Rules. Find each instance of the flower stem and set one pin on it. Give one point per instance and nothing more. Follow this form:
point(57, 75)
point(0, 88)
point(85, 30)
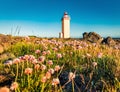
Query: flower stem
point(28, 81)
point(42, 90)
point(73, 85)
point(16, 73)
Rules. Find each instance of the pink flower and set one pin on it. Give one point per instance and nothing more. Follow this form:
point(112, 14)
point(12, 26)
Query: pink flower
point(50, 62)
point(34, 61)
point(44, 53)
point(22, 58)
point(31, 58)
point(94, 44)
point(51, 71)
point(4, 89)
point(16, 61)
point(26, 57)
point(78, 47)
point(48, 75)
point(94, 64)
point(37, 51)
point(99, 55)
point(14, 86)
point(85, 44)
point(28, 71)
point(27, 38)
point(71, 76)
point(43, 67)
point(55, 49)
point(37, 66)
point(44, 79)
point(41, 59)
point(8, 62)
point(59, 55)
point(57, 68)
point(55, 81)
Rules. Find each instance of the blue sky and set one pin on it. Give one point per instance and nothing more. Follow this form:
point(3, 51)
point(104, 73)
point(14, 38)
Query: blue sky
point(43, 17)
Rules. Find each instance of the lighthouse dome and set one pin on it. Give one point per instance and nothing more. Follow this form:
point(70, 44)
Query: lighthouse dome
point(66, 15)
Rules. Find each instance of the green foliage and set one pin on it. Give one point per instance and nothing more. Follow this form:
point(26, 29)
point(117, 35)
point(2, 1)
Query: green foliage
point(97, 70)
point(22, 48)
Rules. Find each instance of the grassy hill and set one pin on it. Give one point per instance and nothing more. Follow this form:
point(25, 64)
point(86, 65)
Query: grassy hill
point(32, 64)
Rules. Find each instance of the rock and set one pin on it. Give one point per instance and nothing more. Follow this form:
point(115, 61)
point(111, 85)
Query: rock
point(6, 79)
point(85, 34)
point(92, 37)
point(109, 41)
point(4, 38)
point(64, 81)
point(80, 83)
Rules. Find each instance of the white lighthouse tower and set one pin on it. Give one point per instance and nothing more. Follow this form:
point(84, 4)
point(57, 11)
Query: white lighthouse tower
point(65, 26)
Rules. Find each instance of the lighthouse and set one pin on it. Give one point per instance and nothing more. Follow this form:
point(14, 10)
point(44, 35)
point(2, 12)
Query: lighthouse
point(65, 26)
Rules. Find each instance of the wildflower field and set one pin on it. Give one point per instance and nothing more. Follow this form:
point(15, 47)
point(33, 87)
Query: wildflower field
point(59, 65)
